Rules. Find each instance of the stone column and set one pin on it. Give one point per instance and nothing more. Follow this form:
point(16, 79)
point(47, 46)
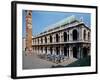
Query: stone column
point(43, 40)
point(48, 39)
point(81, 34)
point(86, 35)
point(53, 52)
point(48, 50)
point(60, 37)
point(63, 50)
point(60, 50)
point(70, 35)
point(70, 52)
point(53, 38)
point(35, 41)
point(79, 52)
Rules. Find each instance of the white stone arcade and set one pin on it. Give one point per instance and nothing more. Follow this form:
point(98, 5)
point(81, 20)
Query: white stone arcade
point(69, 39)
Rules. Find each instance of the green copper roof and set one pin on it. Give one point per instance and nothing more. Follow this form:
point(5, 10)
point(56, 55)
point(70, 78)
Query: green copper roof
point(62, 22)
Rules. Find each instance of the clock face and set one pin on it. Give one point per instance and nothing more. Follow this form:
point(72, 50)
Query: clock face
point(29, 26)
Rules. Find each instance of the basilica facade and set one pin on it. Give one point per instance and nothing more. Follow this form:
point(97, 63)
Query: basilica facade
point(70, 38)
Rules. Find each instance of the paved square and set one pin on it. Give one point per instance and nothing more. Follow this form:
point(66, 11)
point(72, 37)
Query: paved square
point(34, 62)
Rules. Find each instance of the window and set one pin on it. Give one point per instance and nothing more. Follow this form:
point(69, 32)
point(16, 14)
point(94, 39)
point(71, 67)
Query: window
point(57, 38)
point(88, 35)
point(50, 39)
point(45, 39)
point(75, 35)
point(65, 36)
point(84, 34)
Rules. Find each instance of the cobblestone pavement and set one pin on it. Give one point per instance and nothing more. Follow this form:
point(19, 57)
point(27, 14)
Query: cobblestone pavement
point(34, 62)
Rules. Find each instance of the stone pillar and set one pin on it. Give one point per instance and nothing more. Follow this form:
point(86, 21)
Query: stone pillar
point(43, 40)
point(48, 50)
point(35, 41)
point(60, 50)
point(60, 37)
point(48, 39)
point(70, 52)
point(67, 37)
point(82, 34)
point(53, 51)
point(63, 50)
point(86, 35)
point(79, 52)
point(70, 35)
point(53, 38)
point(39, 40)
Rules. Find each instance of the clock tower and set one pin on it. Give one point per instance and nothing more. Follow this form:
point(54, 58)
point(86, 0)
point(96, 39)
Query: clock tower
point(28, 30)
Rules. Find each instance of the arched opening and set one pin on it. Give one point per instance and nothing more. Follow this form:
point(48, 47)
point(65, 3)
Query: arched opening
point(50, 50)
point(84, 34)
point(68, 37)
point(65, 36)
point(57, 38)
point(75, 52)
point(45, 49)
point(50, 39)
point(88, 35)
point(45, 39)
point(85, 52)
point(75, 35)
point(65, 51)
point(57, 50)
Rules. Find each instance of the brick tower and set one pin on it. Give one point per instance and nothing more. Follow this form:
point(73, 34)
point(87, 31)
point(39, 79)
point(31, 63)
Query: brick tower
point(28, 30)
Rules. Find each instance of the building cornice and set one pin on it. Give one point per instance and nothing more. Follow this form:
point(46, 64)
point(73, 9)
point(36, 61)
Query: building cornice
point(62, 28)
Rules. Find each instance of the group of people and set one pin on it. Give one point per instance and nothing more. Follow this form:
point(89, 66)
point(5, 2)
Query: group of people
point(53, 57)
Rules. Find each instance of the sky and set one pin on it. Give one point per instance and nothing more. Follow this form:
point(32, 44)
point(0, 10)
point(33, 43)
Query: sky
point(42, 19)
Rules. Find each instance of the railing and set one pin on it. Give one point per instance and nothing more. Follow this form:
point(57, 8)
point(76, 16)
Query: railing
point(62, 42)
